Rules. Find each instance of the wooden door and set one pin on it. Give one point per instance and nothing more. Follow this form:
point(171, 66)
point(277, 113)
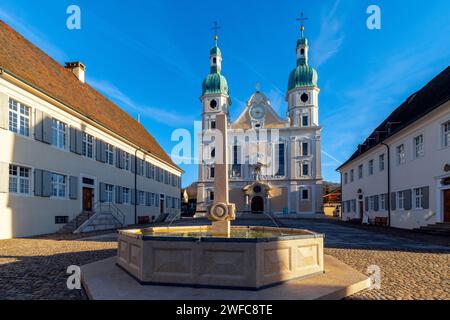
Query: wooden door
point(88, 196)
point(447, 206)
point(361, 209)
point(257, 205)
point(161, 206)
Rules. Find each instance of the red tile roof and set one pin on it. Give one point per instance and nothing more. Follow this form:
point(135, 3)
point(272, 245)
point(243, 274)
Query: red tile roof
point(27, 62)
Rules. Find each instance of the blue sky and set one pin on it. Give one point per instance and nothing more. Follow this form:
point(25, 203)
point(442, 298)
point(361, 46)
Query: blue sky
point(150, 57)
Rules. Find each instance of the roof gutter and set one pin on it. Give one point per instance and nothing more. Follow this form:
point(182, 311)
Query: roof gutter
point(97, 124)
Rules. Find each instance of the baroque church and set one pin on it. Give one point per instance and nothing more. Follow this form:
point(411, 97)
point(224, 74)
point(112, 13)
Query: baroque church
point(274, 161)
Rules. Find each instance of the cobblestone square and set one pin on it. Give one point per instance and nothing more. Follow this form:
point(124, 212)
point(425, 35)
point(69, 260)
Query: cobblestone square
point(412, 267)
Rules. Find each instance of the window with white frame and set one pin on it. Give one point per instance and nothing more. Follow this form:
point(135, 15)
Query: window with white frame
point(88, 145)
point(352, 175)
point(446, 134)
point(371, 203)
point(360, 171)
point(59, 134)
point(59, 185)
point(418, 147)
point(346, 178)
point(126, 196)
point(140, 164)
point(141, 198)
point(19, 118)
point(401, 155)
point(126, 160)
point(109, 149)
point(280, 161)
point(305, 148)
point(353, 205)
point(19, 179)
point(381, 162)
point(418, 198)
point(305, 120)
point(109, 193)
point(211, 172)
point(370, 167)
point(382, 202)
point(305, 169)
point(401, 200)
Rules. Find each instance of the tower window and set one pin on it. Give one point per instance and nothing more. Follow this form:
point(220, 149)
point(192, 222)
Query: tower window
point(213, 124)
point(214, 60)
point(213, 104)
point(213, 153)
point(302, 51)
point(304, 97)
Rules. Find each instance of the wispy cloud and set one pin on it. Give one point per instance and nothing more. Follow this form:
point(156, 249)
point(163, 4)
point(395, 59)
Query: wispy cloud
point(330, 37)
point(33, 36)
point(159, 115)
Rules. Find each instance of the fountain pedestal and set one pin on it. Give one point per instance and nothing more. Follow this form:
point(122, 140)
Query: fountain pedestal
point(221, 212)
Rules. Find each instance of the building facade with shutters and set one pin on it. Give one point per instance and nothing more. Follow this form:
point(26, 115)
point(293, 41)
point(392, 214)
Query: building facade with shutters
point(402, 171)
point(66, 149)
point(274, 161)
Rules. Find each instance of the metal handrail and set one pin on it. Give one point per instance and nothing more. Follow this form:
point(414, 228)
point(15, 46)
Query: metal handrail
point(114, 210)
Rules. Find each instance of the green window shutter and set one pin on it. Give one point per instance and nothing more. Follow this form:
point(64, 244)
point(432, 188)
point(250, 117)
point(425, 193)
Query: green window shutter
point(133, 196)
point(38, 124)
point(377, 202)
point(102, 192)
point(4, 111)
point(408, 199)
point(46, 183)
point(4, 177)
point(46, 129)
point(73, 187)
point(133, 164)
point(79, 142)
point(98, 150)
point(426, 197)
point(119, 158)
point(147, 169)
point(38, 183)
point(119, 195)
point(73, 139)
point(393, 200)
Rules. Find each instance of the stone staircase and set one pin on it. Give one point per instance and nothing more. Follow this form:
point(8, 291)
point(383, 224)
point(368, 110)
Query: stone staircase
point(104, 217)
point(441, 229)
point(100, 221)
point(76, 222)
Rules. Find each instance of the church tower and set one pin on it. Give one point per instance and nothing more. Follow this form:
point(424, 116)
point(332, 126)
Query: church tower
point(215, 99)
point(303, 94)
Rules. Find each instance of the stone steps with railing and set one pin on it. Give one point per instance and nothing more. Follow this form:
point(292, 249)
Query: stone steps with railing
point(105, 216)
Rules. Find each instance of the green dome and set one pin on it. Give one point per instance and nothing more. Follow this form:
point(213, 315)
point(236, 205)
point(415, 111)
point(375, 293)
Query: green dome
point(303, 76)
point(215, 51)
point(302, 41)
point(215, 83)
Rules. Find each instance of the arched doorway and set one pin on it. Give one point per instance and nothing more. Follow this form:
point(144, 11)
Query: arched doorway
point(257, 204)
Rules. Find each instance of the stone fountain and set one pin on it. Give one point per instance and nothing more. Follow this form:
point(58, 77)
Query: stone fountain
point(220, 255)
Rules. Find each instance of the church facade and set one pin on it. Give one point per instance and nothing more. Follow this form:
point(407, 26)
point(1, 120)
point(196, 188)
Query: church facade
point(274, 161)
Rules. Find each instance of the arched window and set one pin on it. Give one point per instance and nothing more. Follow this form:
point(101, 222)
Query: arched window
point(213, 153)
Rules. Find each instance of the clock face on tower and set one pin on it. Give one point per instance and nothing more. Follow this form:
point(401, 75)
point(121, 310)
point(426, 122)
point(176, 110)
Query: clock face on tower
point(257, 112)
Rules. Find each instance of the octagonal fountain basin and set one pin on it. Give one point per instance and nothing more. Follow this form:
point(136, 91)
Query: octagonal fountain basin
point(249, 258)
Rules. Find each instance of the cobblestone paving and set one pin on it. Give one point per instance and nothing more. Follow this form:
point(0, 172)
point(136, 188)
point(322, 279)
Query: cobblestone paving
point(36, 268)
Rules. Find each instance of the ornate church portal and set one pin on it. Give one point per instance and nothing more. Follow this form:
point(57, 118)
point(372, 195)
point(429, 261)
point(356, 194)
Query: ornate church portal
point(274, 161)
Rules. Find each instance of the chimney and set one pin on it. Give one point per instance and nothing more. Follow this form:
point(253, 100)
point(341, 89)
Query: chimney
point(77, 68)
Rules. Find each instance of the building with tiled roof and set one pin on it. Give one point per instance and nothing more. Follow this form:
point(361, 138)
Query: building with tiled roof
point(401, 173)
point(69, 154)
